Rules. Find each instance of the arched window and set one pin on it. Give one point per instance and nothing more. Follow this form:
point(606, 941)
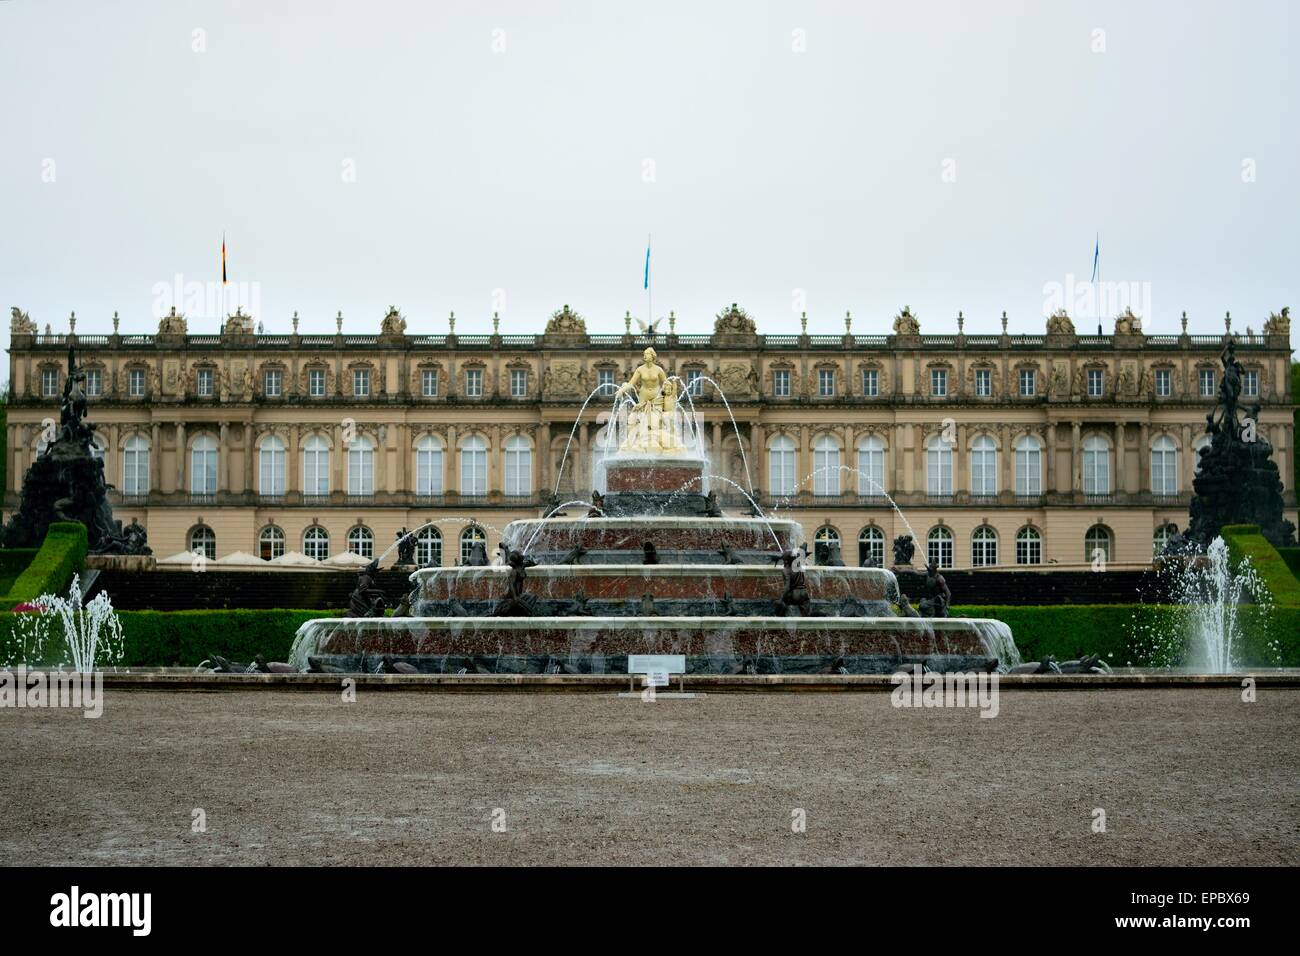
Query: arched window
point(1029, 466)
point(1029, 546)
point(871, 547)
point(1096, 466)
point(428, 548)
point(361, 467)
point(473, 466)
point(271, 467)
point(519, 466)
point(135, 466)
point(1161, 538)
point(428, 466)
point(780, 470)
point(825, 537)
point(939, 547)
point(316, 466)
point(938, 466)
point(361, 541)
point(468, 538)
point(316, 543)
point(203, 466)
point(984, 547)
point(871, 466)
point(1097, 543)
point(1164, 466)
point(1197, 447)
point(270, 543)
point(983, 466)
point(203, 540)
point(826, 466)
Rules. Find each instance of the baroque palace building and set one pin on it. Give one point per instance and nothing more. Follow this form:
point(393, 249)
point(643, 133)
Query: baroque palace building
point(1000, 450)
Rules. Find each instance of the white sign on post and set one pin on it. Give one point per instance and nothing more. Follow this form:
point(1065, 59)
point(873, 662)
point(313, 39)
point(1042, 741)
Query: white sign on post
point(656, 664)
point(656, 679)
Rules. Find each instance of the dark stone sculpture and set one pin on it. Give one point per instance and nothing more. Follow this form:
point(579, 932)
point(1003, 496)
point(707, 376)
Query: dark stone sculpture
point(904, 548)
point(937, 594)
point(367, 600)
point(651, 556)
point(833, 557)
point(579, 606)
point(574, 556)
point(729, 555)
point(647, 608)
point(597, 505)
point(405, 547)
point(66, 483)
point(1238, 481)
point(796, 599)
point(477, 556)
point(516, 603)
point(711, 507)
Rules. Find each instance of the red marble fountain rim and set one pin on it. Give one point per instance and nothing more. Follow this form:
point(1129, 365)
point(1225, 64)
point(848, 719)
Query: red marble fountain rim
point(651, 571)
point(904, 624)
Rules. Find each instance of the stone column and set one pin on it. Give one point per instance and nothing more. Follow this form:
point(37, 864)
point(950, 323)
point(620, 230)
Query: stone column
point(451, 474)
point(543, 443)
point(14, 483)
point(757, 456)
point(1076, 462)
point(805, 459)
point(292, 458)
point(582, 467)
point(402, 461)
point(381, 459)
point(1049, 442)
point(1187, 461)
point(248, 457)
point(337, 461)
point(223, 462)
point(1144, 457)
point(180, 457)
point(155, 457)
point(1006, 477)
point(961, 460)
point(1121, 484)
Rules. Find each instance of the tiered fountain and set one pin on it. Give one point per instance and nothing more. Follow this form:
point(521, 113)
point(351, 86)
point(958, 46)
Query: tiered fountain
point(654, 567)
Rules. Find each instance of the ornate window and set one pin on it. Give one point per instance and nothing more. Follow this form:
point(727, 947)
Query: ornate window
point(361, 541)
point(270, 543)
point(361, 467)
point(983, 382)
point(1096, 382)
point(361, 383)
point(429, 382)
point(428, 466)
point(939, 382)
point(826, 466)
point(135, 383)
point(49, 381)
point(94, 382)
point(983, 466)
point(938, 467)
point(984, 547)
point(871, 547)
point(316, 382)
point(1029, 546)
point(1164, 466)
point(518, 382)
point(205, 382)
point(939, 547)
point(473, 466)
point(316, 543)
point(871, 466)
point(870, 382)
point(781, 387)
point(203, 540)
point(203, 466)
point(270, 457)
point(473, 383)
point(273, 383)
point(316, 466)
point(1205, 377)
point(1028, 382)
point(1164, 382)
point(1029, 467)
point(781, 459)
point(826, 383)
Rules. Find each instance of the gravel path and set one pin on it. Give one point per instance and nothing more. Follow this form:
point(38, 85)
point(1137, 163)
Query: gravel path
point(1185, 777)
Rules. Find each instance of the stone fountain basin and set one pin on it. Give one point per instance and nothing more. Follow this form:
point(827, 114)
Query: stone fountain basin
point(677, 538)
point(710, 644)
point(680, 589)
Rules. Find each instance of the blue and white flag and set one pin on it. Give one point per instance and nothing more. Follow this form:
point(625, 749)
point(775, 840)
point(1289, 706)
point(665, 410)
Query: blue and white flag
point(1096, 257)
point(646, 284)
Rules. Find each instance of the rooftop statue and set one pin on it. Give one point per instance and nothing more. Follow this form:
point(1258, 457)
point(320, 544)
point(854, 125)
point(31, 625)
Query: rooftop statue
point(652, 421)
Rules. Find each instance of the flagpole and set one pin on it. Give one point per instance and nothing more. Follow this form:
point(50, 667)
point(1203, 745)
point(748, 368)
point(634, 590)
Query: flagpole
point(649, 289)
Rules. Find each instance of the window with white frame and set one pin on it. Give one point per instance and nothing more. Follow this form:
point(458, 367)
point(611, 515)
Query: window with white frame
point(428, 466)
point(518, 382)
point(781, 382)
point(871, 465)
point(1097, 544)
point(1164, 382)
point(316, 466)
point(473, 383)
point(519, 466)
point(1096, 466)
point(361, 542)
point(135, 466)
point(1206, 378)
point(983, 382)
point(605, 381)
point(273, 382)
point(826, 466)
point(361, 382)
point(939, 382)
point(1028, 382)
point(938, 550)
point(203, 466)
point(205, 382)
point(316, 543)
point(871, 547)
point(135, 383)
point(1164, 466)
point(428, 548)
point(1161, 538)
point(983, 466)
point(1029, 546)
point(361, 467)
point(316, 382)
point(1029, 466)
point(984, 547)
point(938, 467)
point(270, 458)
point(429, 382)
point(823, 540)
point(826, 382)
point(203, 540)
point(49, 382)
point(94, 383)
point(270, 543)
point(1096, 382)
point(695, 382)
point(473, 466)
point(1250, 382)
point(468, 538)
point(781, 464)
point(870, 382)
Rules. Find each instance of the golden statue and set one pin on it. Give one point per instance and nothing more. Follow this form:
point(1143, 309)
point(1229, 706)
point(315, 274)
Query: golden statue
point(652, 420)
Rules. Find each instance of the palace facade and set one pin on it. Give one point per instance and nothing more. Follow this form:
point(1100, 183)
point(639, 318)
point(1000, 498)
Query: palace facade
point(998, 450)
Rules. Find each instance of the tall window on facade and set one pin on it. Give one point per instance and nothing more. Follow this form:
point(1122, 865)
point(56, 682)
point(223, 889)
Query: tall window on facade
point(1207, 382)
point(135, 466)
point(826, 466)
point(983, 382)
point(1029, 467)
point(203, 540)
point(361, 541)
point(938, 548)
point(1028, 382)
point(1029, 546)
point(1250, 383)
point(316, 543)
point(781, 382)
point(429, 382)
point(984, 547)
point(983, 466)
point(428, 466)
point(939, 382)
point(468, 538)
point(1097, 544)
point(695, 382)
point(473, 466)
point(1164, 466)
point(361, 382)
point(871, 466)
point(1096, 466)
point(49, 382)
point(518, 382)
point(1161, 538)
point(870, 383)
point(270, 543)
point(94, 383)
point(1164, 382)
point(1096, 382)
point(780, 465)
point(605, 381)
point(203, 466)
point(822, 541)
point(270, 457)
point(316, 466)
point(519, 466)
point(473, 383)
point(273, 382)
point(204, 383)
point(871, 547)
point(428, 548)
point(938, 466)
point(361, 467)
point(135, 383)
point(826, 382)
point(316, 383)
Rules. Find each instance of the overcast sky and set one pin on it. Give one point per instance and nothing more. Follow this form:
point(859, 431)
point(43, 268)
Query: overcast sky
point(946, 155)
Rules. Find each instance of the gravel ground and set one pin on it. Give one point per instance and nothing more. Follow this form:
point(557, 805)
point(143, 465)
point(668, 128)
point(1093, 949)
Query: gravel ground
point(1185, 777)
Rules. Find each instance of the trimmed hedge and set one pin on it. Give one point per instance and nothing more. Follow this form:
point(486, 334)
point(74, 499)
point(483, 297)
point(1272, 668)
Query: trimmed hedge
point(1245, 541)
point(4, 447)
point(62, 554)
point(1291, 556)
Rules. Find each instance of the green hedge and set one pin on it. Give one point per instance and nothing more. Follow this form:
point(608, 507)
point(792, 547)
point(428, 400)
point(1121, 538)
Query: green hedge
point(13, 562)
point(62, 554)
point(1245, 541)
point(1291, 556)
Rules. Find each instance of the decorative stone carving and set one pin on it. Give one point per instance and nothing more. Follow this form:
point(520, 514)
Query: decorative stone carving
point(1060, 384)
point(393, 326)
point(173, 323)
point(20, 323)
point(1059, 323)
point(1128, 323)
point(738, 380)
point(566, 322)
point(734, 321)
point(563, 379)
point(1278, 323)
point(238, 323)
point(905, 323)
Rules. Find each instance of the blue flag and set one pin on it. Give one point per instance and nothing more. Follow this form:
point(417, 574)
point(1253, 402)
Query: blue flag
point(646, 284)
point(1096, 255)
